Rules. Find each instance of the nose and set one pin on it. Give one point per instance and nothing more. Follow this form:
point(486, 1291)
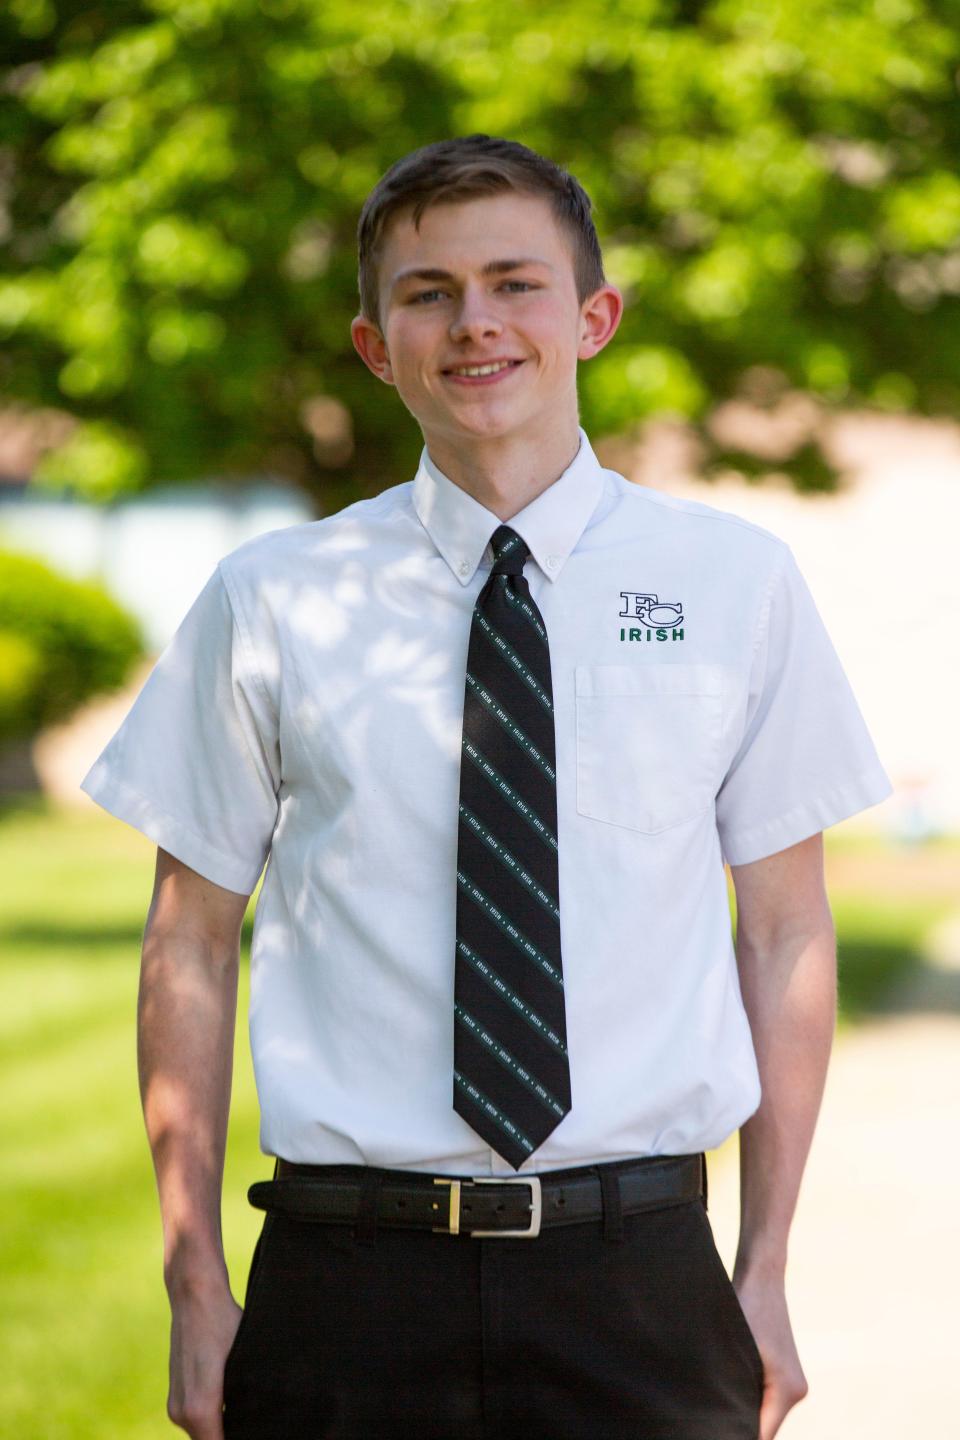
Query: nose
point(475, 317)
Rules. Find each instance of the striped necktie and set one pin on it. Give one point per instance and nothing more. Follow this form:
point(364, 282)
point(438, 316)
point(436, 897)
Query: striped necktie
point(511, 1075)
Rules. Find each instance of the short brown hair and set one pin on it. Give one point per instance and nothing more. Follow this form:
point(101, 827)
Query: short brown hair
point(463, 169)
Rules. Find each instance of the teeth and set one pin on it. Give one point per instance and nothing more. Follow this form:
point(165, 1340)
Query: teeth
point(482, 369)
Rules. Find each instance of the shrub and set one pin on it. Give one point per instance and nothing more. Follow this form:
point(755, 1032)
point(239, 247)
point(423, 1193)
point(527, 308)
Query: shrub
point(61, 641)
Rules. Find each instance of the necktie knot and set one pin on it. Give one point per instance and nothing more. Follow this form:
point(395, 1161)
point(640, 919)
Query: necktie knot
point(509, 551)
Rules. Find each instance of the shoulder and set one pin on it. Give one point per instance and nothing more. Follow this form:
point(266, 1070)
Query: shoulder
point(283, 554)
point(679, 514)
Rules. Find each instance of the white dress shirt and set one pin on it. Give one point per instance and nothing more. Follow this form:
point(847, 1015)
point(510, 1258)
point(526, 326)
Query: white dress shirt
point(307, 715)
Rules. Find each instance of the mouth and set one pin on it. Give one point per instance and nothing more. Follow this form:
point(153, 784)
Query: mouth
point(488, 374)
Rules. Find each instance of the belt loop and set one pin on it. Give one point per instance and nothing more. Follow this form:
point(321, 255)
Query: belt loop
point(612, 1210)
point(703, 1167)
point(365, 1229)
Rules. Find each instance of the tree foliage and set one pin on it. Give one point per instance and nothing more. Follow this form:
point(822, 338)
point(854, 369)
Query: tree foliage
point(61, 641)
point(774, 184)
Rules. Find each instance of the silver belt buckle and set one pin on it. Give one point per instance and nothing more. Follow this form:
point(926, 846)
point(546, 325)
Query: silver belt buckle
point(536, 1206)
point(452, 1226)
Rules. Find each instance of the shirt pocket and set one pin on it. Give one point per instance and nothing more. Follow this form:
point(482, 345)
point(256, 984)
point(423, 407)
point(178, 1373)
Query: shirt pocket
point(648, 743)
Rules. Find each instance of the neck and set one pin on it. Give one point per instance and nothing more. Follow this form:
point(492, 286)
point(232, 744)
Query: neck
point(506, 473)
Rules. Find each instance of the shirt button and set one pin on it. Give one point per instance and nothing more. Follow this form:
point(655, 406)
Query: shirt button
point(463, 567)
point(553, 561)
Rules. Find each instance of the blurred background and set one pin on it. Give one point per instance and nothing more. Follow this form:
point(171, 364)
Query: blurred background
point(775, 189)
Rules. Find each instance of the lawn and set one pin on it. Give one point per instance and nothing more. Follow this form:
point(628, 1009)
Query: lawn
point(85, 1324)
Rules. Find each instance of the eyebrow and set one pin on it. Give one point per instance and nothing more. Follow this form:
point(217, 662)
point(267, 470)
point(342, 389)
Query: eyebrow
point(492, 267)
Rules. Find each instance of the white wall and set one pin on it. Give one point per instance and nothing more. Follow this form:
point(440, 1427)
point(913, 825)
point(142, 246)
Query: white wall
point(153, 552)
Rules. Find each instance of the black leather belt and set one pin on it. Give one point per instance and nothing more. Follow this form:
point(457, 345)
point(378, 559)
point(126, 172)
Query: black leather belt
point(477, 1205)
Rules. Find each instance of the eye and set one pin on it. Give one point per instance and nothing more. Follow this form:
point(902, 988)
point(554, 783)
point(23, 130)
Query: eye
point(423, 295)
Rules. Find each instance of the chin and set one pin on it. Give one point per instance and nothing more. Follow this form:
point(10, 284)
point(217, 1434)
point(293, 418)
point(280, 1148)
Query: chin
point(489, 423)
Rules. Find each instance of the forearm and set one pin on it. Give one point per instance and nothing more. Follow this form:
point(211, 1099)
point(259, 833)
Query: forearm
point(789, 991)
point(185, 1032)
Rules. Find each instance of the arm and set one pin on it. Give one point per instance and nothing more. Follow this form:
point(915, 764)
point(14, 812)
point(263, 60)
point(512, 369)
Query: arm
point(186, 1017)
point(786, 958)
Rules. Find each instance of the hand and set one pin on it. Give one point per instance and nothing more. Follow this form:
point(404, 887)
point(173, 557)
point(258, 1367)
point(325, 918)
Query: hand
point(764, 1303)
point(204, 1325)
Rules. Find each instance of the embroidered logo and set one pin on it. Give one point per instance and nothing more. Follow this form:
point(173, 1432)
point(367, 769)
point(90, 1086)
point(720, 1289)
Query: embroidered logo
point(658, 619)
point(650, 610)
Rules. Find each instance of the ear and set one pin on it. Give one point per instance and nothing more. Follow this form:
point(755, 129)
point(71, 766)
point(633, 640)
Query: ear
point(599, 317)
point(372, 348)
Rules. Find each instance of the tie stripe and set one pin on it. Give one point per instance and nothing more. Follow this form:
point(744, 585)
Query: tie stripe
point(508, 928)
point(511, 1069)
point(510, 997)
point(510, 861)
point(511, 656)
point(524, 608)
point(487, 1105)
point(505, 789)
point(501, 1053)
point(511, 726)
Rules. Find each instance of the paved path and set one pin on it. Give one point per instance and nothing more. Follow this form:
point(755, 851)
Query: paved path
point(873, 1280)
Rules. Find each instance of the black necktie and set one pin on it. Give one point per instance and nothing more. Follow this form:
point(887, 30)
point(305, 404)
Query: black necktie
point(511, 1075)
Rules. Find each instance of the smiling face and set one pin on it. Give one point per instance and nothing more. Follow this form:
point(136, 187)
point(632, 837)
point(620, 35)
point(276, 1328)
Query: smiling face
point(484, 281)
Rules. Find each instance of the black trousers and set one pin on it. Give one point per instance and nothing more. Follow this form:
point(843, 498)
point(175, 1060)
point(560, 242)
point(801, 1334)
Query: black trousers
point(624, 1327)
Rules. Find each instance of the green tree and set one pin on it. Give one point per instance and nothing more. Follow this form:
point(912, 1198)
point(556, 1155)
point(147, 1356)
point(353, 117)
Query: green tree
point(774, 184)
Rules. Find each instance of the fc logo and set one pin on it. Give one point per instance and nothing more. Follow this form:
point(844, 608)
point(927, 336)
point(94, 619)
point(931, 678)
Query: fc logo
point(650, 610)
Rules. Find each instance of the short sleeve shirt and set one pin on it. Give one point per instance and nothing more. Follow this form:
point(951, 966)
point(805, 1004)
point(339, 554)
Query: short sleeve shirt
point(306, 717)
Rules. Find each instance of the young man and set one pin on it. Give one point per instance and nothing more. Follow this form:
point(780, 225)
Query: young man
point(496, 732)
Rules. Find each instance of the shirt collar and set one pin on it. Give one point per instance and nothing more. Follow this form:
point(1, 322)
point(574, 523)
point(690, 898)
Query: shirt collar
point(551, 524)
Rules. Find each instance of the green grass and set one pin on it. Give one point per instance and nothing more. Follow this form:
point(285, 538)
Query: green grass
point(84, 1327)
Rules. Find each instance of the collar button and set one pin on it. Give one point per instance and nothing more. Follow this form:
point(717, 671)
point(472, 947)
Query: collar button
point(553, 561)
point(464, 567)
